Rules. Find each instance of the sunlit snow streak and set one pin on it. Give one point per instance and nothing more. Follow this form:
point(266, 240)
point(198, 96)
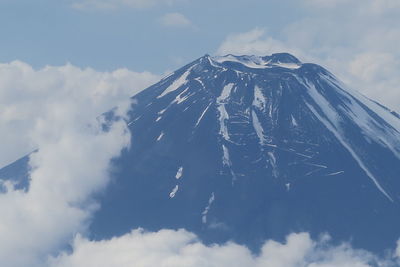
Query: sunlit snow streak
point(160, 136)
point(387, 135)
point(207, 209)
point(255, 62)
point(179, 173)
point(180, 98)
point(250, 62)
point(176, 84)
point(259, 99)
point(226, 92)
point(162, 111)
point(331, 128)
point(294, 122)
point(202, 115)
point(174, 191)
point(287, 186)
point(200, 81)
point(273, 164)
point(258, 128)
point(334, 173)
point(292, 66)
point(333, 125)
point(225, 159)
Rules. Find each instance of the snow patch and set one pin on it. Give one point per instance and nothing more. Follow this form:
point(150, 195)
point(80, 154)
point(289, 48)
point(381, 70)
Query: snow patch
point(272, 161)
point(179, 99)
point(160, 136)
point(255, 62)
point(202, 115)
point(207, 209)
point(223, 117)
point(162, 111)
point(338, 136)
point(288, 185)
point(332, 122)
point(335, 173)
point(223, 114)
point(292, 66)
point(272, 145)
point(258, 128)
point(294, 122)
point(225, 159)
point(179, 173)
point(200, 81)
point(226, 92)
point(174, 191)
point(387, 135)
point(250, 61)
point(182, 80)
point(259, 99)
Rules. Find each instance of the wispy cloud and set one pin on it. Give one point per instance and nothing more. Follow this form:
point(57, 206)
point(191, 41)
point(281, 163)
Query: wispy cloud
point(253, 42)
point(175, 20)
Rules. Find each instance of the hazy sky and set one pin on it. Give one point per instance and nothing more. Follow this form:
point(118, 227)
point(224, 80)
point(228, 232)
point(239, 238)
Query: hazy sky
point(153, 35)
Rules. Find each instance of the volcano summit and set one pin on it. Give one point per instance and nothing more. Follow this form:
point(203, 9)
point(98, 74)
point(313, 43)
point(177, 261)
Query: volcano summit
point(249, 148)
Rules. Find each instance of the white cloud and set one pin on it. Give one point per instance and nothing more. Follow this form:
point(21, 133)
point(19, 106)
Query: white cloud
point(254, 42)
point(175, 20)
point(57, 205)
point(168, 248)
point(356, 40)
point(28, 95)
point(55, 109)
point(397, 252)
point(251, 42)
point(113, 4)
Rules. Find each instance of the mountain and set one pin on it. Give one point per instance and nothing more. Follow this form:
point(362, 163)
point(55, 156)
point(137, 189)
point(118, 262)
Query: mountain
point(248, 148)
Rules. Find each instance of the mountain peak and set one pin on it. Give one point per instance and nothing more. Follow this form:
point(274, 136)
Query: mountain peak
point(283, 60)
point(248, 148)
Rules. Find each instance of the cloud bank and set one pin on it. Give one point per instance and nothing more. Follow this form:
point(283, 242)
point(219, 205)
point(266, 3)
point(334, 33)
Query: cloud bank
point(168, 248)
point(55, 109)
point(31, 98)
point(69, 167)
point(356, 40)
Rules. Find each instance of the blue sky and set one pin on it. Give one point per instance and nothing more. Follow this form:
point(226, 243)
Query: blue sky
point(54, 32)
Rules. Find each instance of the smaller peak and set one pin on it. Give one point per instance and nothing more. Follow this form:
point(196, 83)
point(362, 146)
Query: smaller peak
point(282, 58)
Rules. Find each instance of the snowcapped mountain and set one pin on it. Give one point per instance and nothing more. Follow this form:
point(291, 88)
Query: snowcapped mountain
point(248, 148)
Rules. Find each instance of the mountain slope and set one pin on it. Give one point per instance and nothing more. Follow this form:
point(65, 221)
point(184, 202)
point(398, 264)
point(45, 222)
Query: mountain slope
point(247, 148)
